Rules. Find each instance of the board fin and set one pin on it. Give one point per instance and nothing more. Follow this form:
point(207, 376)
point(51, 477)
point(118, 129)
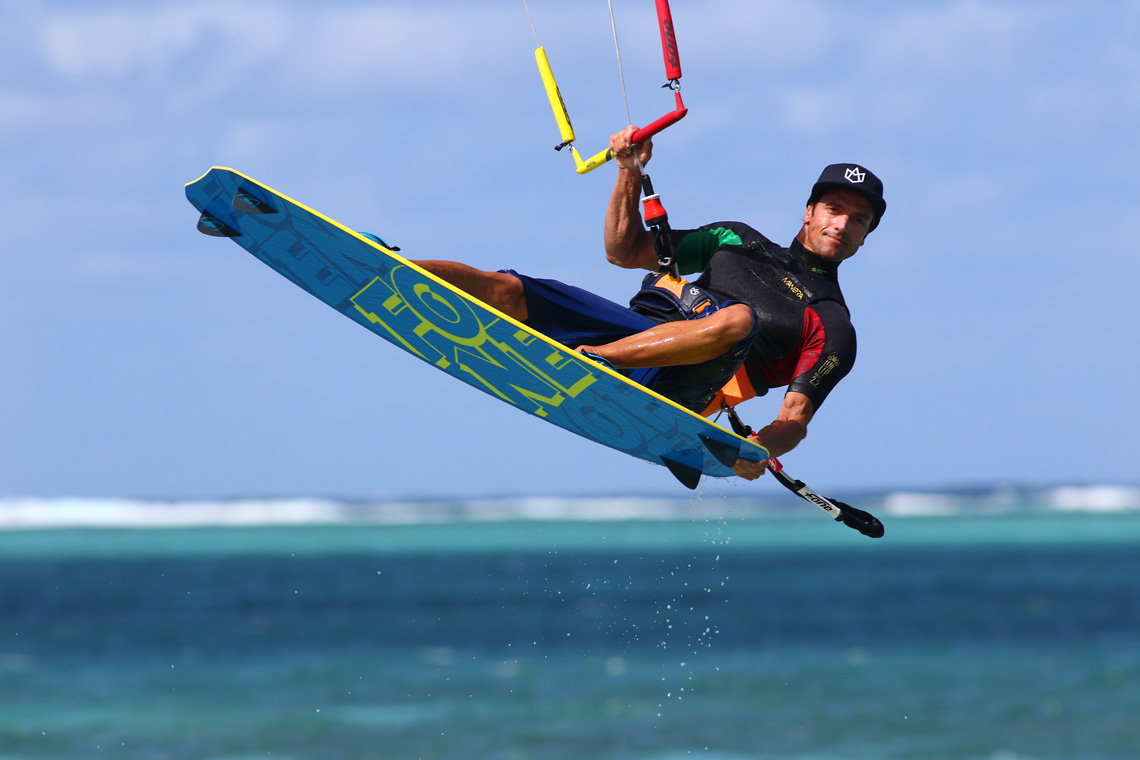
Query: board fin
point(725, 453)
point(215, 227)
point(689, 476)
point(251, 202)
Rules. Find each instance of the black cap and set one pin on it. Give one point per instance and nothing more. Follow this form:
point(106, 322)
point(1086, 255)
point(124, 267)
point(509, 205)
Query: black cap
point(855, 178)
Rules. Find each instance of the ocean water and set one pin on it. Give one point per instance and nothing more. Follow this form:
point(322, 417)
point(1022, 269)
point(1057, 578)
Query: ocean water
point(980, 633)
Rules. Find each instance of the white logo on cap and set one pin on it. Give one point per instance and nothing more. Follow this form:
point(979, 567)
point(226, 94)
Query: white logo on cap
point(855, 176)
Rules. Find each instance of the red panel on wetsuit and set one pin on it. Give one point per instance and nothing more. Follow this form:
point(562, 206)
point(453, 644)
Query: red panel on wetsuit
point(803, 358)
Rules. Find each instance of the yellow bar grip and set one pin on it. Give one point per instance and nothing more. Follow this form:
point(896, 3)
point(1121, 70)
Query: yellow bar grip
point(590, 163)
point(556, 103)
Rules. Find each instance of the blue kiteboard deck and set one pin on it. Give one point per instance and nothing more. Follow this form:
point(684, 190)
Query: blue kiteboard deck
point(427, 317)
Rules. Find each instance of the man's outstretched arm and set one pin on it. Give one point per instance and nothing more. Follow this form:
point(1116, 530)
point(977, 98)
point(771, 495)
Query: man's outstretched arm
point(628, 243)
point(782, 435)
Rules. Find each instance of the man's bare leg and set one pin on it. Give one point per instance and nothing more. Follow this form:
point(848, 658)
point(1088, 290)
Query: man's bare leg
point(503, 291)
point(675, 343)
point(665, 345)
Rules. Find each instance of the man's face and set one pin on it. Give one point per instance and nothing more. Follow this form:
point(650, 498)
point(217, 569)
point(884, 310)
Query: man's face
point(836, 225)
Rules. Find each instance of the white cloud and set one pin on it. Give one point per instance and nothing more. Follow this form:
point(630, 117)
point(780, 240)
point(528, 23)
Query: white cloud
point(775, 37)
point(120, 42)
point(421, 46)
point(349, 43)
point(954, 39)
point(141, 67)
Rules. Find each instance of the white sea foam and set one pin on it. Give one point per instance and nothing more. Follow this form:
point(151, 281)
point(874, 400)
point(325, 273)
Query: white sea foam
point(17, 513)
point(907, 504)
point(39, 513)
point(1096, 498)
point(110, 513)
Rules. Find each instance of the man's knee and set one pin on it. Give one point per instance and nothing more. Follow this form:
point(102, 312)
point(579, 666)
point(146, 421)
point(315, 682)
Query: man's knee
point(499, 289)
point(509, 294)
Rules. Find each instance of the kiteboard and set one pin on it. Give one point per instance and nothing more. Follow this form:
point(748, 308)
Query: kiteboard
point(368, 282)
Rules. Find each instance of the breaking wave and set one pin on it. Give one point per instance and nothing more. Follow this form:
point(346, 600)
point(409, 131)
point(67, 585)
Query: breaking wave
point(40, 513)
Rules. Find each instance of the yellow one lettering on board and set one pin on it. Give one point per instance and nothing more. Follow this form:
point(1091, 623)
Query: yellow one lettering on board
point(443, 328)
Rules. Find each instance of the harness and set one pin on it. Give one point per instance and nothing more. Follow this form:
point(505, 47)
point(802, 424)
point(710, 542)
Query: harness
point(668, 297)
point(665, 296)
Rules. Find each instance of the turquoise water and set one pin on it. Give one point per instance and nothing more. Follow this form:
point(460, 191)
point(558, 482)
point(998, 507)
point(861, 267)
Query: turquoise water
point(965, 637)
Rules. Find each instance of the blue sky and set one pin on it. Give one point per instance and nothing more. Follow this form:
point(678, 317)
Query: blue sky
point(995, 304)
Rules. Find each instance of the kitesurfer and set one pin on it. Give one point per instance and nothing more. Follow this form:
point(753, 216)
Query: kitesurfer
point(758, 316)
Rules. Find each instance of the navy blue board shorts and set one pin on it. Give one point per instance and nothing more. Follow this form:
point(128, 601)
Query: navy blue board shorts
point(574, 317)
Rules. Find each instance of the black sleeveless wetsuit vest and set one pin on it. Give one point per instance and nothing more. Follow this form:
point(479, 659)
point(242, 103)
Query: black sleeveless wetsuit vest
point(806, 339)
